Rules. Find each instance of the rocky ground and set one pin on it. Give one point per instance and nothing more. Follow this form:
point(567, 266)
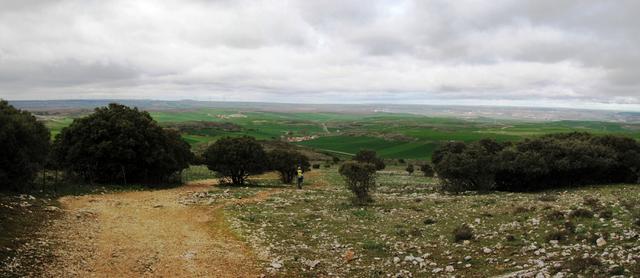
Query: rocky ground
point(267, 229)
point(409, 231)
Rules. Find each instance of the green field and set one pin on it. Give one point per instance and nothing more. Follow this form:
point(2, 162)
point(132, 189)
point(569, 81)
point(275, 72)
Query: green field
point(392, 135)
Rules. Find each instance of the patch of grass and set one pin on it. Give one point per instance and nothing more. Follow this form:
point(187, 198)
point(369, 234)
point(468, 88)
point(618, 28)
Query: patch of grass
point(374, 247)
point(363, 213)
point(580, 264)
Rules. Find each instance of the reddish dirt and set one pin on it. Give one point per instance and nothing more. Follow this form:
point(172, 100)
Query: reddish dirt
point(149, 234)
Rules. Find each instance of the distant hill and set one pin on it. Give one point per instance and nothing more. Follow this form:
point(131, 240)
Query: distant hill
point(483, 113)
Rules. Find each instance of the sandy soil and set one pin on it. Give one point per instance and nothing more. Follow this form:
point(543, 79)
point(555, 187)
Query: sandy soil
point(149, 234)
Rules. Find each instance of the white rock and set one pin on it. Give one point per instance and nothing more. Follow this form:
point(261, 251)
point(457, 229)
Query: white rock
point(437, 270)
point(601, 242)
point(467, 258)
point(559, 275)
point(449, 268)
point(486, 250)
point(396, 260)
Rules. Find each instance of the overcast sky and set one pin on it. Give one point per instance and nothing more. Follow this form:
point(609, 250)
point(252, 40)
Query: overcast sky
point(537, 53)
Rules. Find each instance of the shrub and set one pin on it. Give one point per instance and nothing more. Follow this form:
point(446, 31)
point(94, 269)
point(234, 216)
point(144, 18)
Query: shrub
point(370, 156)
point(316, 166)
point(429, 221)
point(24, 143)
point(463, 232)
point(236, 158)
point(360, 178)
point(427, 170)
point(118, 143)
point(410, 169)
point(570, 227)
point(605, 213)
point(557, 235)
point(581, 213)
point(592, 202)
point(335, 159)
point(401, 161)
point(286, 163)
point(555, 215)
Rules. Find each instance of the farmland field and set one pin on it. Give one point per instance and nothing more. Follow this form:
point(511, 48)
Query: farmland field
point(392, 135)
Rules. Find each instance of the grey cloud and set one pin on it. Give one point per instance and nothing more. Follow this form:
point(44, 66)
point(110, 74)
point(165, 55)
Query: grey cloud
point(310, 51)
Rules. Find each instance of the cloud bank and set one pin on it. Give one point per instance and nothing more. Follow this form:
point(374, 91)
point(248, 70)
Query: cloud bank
point(539, 53)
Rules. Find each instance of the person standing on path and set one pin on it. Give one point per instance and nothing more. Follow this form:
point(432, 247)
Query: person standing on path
point(300, 177)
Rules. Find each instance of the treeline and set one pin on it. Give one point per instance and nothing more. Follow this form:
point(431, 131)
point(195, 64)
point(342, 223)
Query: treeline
point(115, 144)
point(551, 161)
point(122, 145)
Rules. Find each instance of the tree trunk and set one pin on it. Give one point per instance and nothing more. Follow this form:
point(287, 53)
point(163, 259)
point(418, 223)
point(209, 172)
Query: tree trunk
point(44, 178)
point(124, 174)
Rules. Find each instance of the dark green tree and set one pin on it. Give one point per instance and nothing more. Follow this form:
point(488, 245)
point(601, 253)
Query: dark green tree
point(286, 163)
point(121, 144)
point(427, 170)
point(236, 158)
point(370, 156)
point(410, 169)
point(24, 146)
point(360, 179)
point(471, 168)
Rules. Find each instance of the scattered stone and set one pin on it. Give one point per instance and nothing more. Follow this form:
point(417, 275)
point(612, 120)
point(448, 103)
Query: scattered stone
point(311, 264)
point(601, 242)
point(486, 250)
point(449, 268)
point(52, 209)
point(276, 265)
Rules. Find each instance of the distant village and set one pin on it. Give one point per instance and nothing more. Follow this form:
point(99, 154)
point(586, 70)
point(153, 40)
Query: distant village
point(300, 138)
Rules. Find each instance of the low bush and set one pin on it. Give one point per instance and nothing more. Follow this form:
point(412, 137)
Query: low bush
point(427, 170)
point(410, 169)
point(463, 232)
point(581, 213)
point(557, 235)
point(555, 215)
point(360, 179)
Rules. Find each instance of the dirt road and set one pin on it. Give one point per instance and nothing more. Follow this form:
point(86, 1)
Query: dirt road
point(148, 234)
